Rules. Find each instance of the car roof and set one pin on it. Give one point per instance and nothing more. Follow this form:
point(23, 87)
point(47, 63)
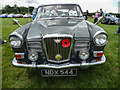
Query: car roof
point(57, 4)
point(36, 8)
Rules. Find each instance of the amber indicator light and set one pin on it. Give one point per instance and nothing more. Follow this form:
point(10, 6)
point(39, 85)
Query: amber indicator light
point(18, 56)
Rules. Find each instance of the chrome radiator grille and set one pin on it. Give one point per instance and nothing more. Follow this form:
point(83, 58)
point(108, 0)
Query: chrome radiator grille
point(34, 46)
point(52, 48)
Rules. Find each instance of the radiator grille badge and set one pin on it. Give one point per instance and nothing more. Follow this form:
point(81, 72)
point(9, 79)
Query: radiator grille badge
point(58, 57)
point(57, 40)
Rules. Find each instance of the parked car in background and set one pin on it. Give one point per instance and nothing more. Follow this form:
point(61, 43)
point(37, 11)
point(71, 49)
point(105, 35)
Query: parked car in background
point(31, 16)
point(4, 15)
point(11, 15)
point(27, 16)
point(109, 19)
point(58, 38)
point(117, 21)
point(18, 15)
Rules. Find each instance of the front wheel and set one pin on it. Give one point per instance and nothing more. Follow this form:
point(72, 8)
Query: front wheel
point(109, 22)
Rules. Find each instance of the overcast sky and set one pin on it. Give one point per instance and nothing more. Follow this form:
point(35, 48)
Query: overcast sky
point(91, 5)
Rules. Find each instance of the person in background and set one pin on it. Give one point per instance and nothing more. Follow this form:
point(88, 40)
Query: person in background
point(86, 15)
point(34, 13)
point(118, 30)
point(101, 15)
point(104, 13)
point(96, 16)
point(101, 12)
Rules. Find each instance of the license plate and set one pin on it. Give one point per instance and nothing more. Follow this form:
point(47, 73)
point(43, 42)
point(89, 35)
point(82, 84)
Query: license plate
point(57, 72)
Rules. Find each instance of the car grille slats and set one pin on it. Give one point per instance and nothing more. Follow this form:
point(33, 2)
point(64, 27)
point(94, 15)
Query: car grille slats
point(34, 46)
point(81, 45)
point(52, 49)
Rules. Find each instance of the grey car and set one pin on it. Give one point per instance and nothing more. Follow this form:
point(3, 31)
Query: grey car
point(117, 21)
point(59, 40)
point(110, 19)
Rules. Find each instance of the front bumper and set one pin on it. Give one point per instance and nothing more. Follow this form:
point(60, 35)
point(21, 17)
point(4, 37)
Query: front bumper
point(67, 65)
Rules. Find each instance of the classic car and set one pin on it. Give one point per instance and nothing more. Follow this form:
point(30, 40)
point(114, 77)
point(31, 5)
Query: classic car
point(3, 16)
point(27, 16)
point(18, 15)
point(59, 40)
point(110, 19)
point(11, 15)
point(117, 21)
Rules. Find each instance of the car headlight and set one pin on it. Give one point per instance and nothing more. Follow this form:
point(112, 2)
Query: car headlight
point(100, 39)
point(15, 41)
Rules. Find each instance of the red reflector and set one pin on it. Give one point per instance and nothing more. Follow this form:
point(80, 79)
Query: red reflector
point(65, 43)
point(100, 54)
point(98, 60)
point(20, 62)
point(18, 56)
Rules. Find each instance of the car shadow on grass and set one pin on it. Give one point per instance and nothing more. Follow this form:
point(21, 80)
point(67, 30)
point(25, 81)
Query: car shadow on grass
point(86, 75)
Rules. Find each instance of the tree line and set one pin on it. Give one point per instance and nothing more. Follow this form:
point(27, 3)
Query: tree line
point(23, 10)
point(16, 10)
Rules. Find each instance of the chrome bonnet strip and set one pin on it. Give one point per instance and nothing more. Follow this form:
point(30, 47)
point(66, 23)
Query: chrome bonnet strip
point(57, 35)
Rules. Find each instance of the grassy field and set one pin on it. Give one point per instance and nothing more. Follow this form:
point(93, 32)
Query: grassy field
point(102, 76)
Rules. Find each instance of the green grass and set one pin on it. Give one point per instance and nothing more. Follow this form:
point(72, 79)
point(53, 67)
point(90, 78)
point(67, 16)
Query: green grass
point(101, 76)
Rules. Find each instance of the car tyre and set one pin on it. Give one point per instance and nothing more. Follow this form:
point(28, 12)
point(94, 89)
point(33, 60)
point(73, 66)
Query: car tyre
point(109, 22)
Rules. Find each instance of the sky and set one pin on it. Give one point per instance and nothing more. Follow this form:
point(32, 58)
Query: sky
point(90, 5)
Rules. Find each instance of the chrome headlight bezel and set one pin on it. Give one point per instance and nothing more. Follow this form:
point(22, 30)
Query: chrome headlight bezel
point(16, 37)
point(101, 34)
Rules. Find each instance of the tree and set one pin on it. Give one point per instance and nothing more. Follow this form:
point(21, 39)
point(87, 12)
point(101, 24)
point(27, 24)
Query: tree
point(15, 9)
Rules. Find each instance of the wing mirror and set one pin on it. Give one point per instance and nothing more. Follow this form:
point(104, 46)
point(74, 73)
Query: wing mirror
point(16, 22)
point(2, 42)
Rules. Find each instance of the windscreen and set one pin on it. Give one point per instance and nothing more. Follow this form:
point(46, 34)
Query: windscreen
point(59, 11)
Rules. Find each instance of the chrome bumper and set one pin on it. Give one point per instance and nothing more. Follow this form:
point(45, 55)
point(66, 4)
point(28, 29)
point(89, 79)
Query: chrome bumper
point(68, 65)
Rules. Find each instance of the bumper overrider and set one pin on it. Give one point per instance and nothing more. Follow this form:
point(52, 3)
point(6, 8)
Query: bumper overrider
point(66, 65)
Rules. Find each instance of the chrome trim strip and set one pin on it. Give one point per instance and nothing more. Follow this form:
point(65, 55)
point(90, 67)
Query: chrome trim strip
point(19, 53)
point(59, 61)
point(58, 35)
point(14, 62)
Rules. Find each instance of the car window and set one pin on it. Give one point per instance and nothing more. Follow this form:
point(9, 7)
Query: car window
point(58, 11)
